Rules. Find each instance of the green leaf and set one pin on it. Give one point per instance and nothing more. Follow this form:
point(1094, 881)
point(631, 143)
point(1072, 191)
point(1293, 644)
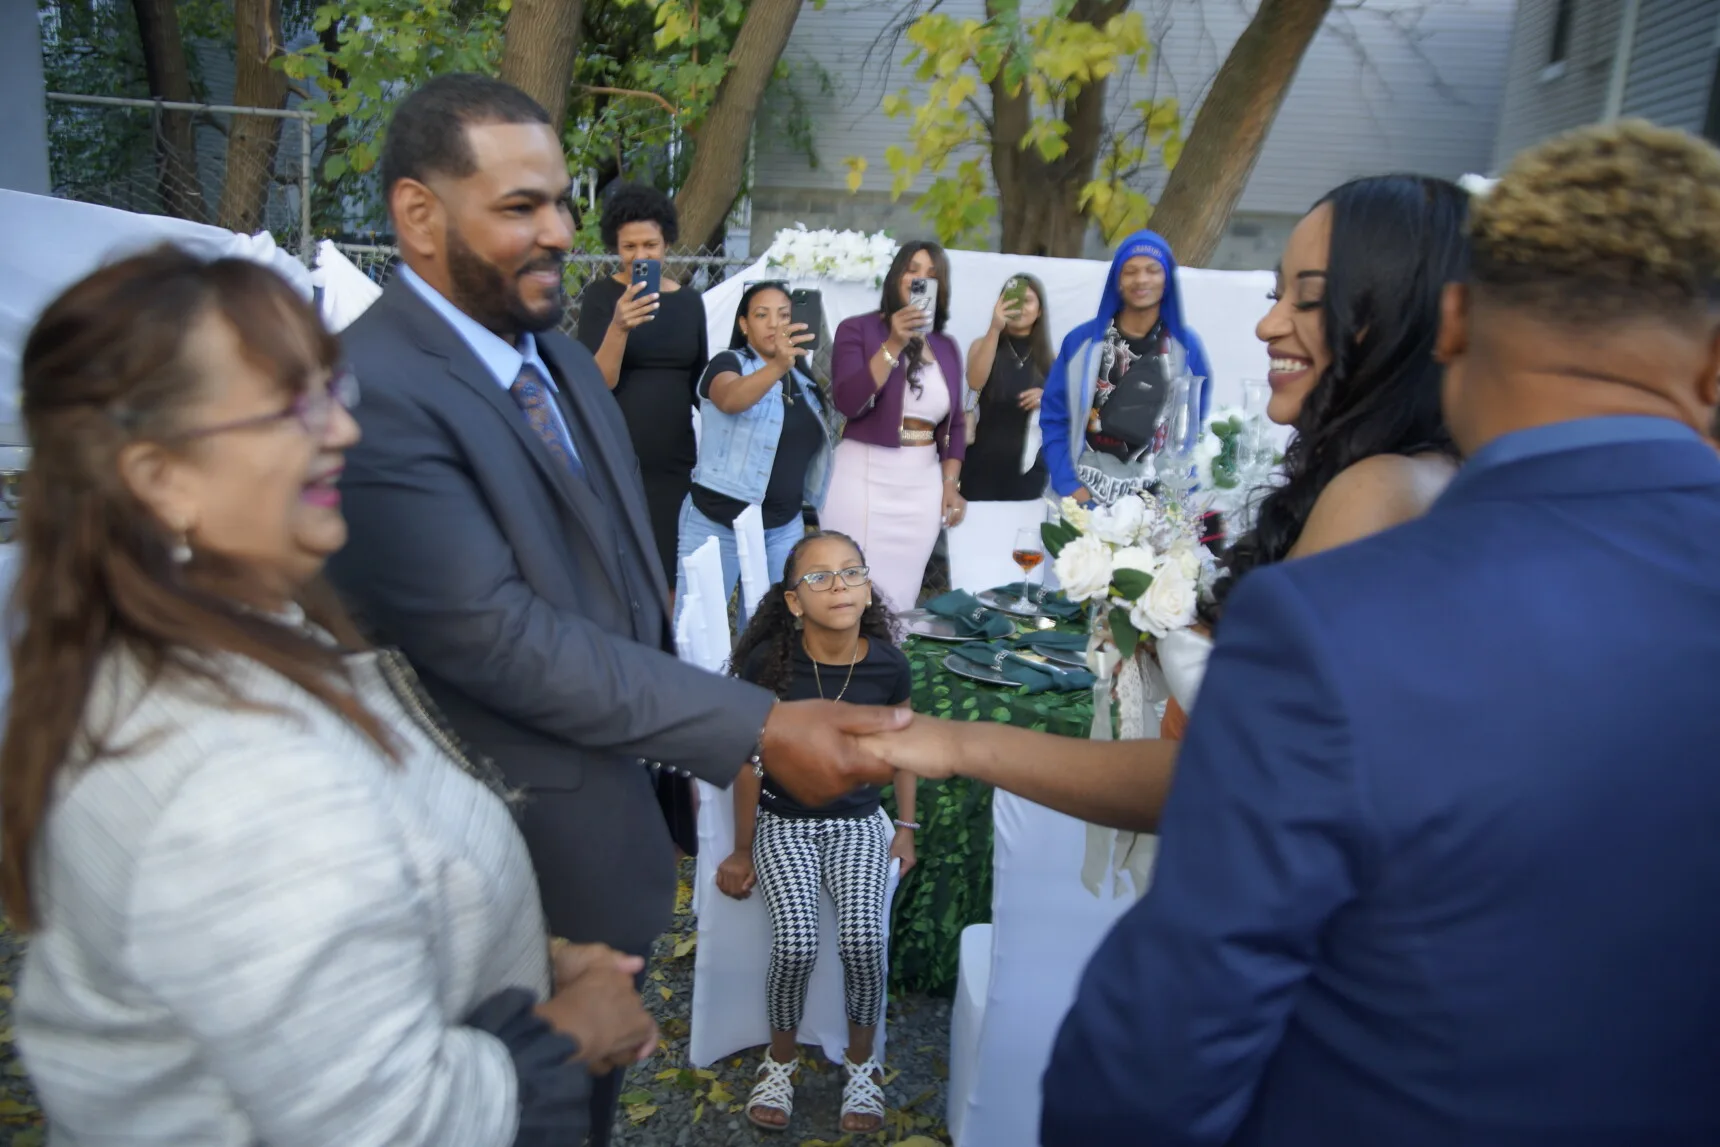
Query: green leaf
point(1130, 584)
point(1123, 631)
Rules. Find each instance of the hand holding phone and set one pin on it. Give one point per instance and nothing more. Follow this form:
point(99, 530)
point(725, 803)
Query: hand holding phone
point(648, 272)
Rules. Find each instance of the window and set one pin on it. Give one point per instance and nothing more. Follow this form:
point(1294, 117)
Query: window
point(1563, 16)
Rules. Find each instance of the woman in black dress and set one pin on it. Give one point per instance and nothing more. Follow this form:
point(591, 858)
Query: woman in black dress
point(652, 351)
point(1006, 366)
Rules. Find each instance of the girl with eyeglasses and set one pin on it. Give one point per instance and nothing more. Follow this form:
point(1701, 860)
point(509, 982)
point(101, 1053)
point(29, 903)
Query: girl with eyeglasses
point(820, 632)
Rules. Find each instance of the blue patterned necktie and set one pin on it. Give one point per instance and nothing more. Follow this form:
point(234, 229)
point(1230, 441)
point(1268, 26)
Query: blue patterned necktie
point(528, 391)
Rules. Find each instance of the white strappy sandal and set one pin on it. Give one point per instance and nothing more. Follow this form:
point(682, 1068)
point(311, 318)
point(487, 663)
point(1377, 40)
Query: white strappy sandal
point(773, 1091)
point(862, 1095)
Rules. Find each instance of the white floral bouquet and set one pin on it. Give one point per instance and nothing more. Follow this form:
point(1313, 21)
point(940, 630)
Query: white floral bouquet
point(839, 256)
point(1138, 564)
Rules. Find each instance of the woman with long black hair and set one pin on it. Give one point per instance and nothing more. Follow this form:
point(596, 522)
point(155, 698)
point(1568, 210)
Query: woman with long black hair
point(897, 378)
point(1350, 336)
point(1006, 369)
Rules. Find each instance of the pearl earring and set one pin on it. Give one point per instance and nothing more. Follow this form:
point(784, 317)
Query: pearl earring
point(180, 551)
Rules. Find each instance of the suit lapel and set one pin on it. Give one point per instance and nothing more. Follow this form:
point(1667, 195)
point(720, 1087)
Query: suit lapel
point(581, 400)
point(435, 337)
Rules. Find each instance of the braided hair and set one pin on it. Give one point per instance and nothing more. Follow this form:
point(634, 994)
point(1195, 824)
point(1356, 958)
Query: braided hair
point(775, 630)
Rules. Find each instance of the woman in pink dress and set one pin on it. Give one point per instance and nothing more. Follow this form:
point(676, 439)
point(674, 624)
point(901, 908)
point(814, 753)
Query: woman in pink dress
point(897, 474)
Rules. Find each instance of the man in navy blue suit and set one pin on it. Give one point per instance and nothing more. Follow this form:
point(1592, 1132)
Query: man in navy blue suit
point(1441, 861)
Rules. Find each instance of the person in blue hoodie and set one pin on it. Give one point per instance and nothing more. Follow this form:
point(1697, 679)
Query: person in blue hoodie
point(1106, 392)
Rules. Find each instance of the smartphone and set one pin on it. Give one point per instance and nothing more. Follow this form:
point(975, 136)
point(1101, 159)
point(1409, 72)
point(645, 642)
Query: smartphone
point(807, 306)
point(923, 293)
point(649, 272)
point(1015, 293)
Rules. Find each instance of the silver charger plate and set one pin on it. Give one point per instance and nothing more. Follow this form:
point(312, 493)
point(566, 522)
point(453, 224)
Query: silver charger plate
point(1008, 603)
point(962, 667)
point(1063, 658)
point(926, 624)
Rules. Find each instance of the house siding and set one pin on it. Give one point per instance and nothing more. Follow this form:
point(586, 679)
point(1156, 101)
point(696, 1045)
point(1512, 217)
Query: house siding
point(1396, 85)
point(1540, 103)
point(1672, 62)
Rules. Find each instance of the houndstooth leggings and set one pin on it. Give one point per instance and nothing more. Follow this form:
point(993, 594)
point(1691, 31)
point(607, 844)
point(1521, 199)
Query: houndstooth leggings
point(849, 857)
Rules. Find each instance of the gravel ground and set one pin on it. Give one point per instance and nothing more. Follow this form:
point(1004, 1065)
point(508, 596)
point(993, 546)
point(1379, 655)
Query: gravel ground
point(668, 1105)
point(20, 1118)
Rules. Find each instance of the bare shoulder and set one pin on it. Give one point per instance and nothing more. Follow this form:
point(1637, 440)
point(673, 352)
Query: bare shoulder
point(1373, 495)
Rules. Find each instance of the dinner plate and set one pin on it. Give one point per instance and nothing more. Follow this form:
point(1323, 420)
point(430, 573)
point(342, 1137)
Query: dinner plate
point(962, 667)
point(926, 624)
point(1063, 658)
point(1008, 603)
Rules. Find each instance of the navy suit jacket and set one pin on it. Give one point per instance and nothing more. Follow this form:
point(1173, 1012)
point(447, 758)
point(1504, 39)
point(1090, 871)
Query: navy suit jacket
point(1441, 864)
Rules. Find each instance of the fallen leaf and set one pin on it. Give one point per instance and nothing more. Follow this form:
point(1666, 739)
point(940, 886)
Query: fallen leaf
point(640, 1113)
point(720, 1093)
point(632, 1098)
point(698, 1112)
point(668, 995)
point(682, 947)
point(707, 1073)
point(670, 1073)
point(657, 976)
point(917, 1141)
point(890, 1076)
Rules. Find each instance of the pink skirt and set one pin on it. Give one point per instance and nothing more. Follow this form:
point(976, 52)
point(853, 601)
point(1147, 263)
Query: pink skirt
point(892, 503)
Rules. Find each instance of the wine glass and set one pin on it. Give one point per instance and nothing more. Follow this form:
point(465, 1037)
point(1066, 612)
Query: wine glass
point(1253, 454)
point(1029, 551)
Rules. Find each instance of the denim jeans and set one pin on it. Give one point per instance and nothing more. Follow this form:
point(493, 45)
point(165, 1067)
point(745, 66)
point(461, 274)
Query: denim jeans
point(695, 528)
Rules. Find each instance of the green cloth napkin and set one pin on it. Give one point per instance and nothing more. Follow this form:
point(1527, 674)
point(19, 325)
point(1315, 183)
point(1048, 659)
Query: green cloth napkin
point(1051, 639)
point(1034, 676)
point(971, 618)
point(1052, 602)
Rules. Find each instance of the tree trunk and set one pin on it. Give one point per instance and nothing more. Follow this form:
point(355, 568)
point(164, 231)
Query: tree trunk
point(251, 140)
point(1231, 127)
point(720, 149)
point(170, 79)
point(538, 48)
point(1038, 201)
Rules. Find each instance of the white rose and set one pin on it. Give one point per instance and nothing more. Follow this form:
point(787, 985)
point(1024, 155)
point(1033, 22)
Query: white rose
point(1084, 568)
point(1120, 523)
point(1169, 602)
point(1133, 558)
point(1076, 514)
point(1186, 559)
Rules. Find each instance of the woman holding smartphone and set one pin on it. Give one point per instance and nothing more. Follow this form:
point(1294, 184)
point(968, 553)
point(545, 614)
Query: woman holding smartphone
point(897, 378)
point(648, 335)
point(1006, 368)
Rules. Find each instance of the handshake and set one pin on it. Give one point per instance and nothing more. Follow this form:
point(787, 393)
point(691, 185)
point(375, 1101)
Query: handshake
point(820, 750)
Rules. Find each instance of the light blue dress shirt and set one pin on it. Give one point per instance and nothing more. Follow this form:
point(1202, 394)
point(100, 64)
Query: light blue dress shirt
point(1556, 437)
point(501, 360)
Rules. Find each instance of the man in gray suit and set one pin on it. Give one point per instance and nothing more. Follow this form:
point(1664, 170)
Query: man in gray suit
point(499, 534)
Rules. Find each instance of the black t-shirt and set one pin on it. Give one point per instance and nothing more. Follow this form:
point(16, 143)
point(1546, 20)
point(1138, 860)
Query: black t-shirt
point(802, 436)
point(1131, 396)
point(880, 678)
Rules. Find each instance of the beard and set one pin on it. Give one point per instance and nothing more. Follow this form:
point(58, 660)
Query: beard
point(492, 296)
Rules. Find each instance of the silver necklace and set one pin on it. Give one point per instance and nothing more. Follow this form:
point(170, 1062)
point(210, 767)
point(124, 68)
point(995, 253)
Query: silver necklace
point(819, 679)
point(1009, 342)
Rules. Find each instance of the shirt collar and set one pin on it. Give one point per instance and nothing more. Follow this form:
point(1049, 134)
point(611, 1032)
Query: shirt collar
point(501, 360)
point(1557, 437)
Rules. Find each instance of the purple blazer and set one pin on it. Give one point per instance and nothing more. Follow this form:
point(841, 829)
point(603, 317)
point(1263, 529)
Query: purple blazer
point(875, 414)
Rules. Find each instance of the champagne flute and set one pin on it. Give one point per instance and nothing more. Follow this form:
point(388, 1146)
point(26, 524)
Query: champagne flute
point(1028, 553)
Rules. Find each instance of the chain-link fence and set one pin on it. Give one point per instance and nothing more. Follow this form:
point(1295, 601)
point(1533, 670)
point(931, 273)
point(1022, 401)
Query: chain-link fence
point(700, 270)
point(244, 169)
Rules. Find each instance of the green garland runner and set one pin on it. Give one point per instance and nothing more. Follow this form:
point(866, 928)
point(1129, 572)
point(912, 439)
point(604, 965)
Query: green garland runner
point(951, 886)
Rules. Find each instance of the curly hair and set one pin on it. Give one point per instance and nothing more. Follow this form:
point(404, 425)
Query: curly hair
point(773, 629)
point(1610, 221)
point(1396, 241)
point(637, 203)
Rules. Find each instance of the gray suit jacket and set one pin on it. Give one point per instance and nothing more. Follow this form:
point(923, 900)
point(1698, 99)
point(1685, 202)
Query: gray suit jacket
point(531, 603)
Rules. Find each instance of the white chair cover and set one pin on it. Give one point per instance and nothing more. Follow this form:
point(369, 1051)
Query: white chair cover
point(734, 954)
point(702, 625)
point(754, 560)
point(980, 546)
point(1045, 927)
point(967, 1014)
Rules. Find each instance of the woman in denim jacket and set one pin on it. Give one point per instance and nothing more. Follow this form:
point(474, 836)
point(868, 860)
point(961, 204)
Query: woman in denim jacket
point(764, 439)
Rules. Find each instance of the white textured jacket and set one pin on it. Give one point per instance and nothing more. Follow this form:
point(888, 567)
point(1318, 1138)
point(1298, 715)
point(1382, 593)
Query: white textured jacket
point(257, 929)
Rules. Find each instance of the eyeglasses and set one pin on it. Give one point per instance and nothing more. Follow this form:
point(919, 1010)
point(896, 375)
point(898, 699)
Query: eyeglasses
point(313, 408)
point(853, 577)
